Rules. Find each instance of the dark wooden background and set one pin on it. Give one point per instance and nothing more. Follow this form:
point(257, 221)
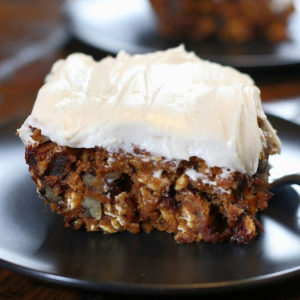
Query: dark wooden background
point(32, 37)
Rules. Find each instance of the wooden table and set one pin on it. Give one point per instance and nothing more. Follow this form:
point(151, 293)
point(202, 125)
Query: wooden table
point(32, 37)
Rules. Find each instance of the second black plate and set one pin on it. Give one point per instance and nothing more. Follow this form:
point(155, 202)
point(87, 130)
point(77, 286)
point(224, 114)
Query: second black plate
point(114, 25)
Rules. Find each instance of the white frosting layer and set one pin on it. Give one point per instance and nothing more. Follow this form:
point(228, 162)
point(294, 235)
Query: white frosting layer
point(170, 103)
point(281, 5)
point(277, 6)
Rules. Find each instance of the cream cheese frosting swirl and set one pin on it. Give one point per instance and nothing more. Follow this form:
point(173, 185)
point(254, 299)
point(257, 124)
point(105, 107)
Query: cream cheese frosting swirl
point(169, 103)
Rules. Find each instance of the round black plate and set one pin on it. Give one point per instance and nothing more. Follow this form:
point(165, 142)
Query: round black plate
point(114, 25)
point(34, 241)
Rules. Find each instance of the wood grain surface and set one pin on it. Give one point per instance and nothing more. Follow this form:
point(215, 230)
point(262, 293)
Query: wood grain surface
point(32, 37)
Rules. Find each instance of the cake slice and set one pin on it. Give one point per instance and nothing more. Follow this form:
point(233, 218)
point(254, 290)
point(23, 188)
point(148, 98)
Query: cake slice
point(226, 20)
point(161, 141)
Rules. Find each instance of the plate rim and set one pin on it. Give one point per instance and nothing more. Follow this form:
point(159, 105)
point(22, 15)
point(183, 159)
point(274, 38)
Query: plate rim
point(164, 289)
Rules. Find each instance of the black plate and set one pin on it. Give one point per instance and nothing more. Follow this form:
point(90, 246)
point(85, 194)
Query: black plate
point(34, 241)
point(114, 25)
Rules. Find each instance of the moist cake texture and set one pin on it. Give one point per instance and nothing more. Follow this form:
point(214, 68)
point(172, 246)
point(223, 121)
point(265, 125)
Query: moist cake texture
point(161, 141)
point(226, 20)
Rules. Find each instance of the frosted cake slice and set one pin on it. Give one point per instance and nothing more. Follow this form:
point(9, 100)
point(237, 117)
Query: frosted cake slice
point(161, 141)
